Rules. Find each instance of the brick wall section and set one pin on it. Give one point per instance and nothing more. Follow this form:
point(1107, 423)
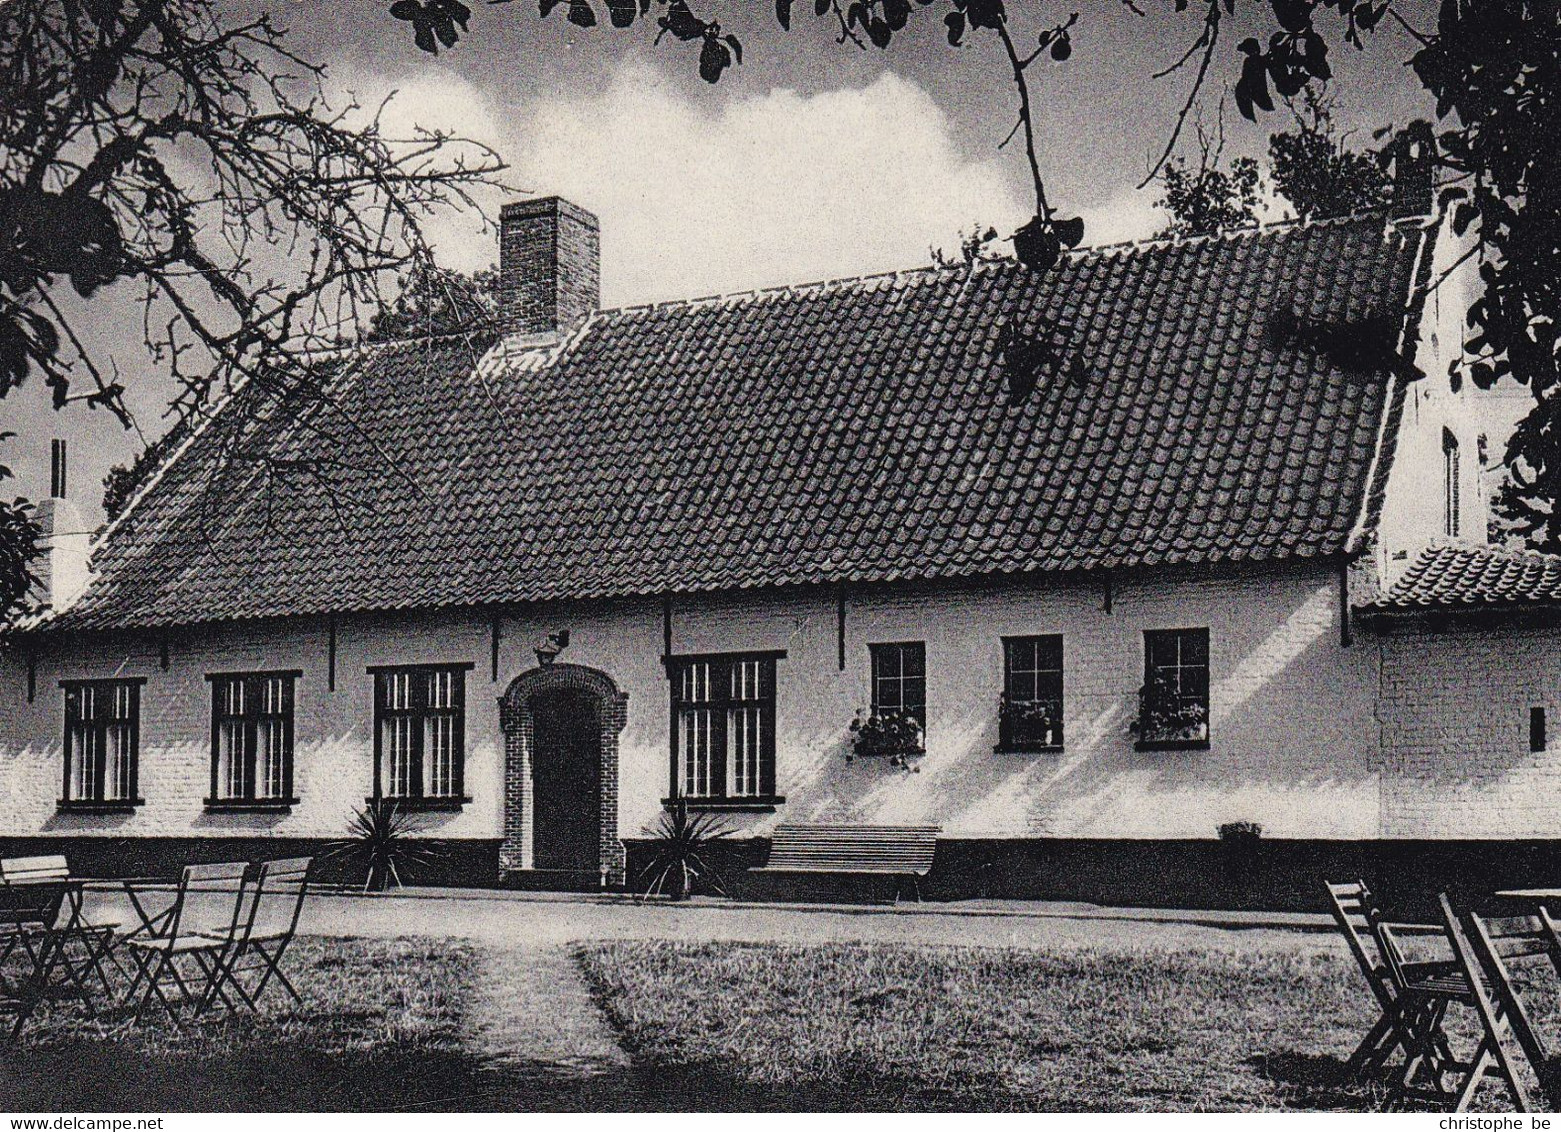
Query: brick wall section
point(549, 265)
point(1455, 730)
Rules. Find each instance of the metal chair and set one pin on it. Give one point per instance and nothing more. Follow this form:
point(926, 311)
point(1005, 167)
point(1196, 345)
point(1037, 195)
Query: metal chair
point(203, 926)
point(278, 900)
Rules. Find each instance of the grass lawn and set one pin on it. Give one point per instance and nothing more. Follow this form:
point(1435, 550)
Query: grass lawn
point(380, 1029)
point(878, 1026)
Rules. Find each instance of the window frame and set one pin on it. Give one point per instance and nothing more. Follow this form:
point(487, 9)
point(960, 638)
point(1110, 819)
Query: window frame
point(98, 803)
point(420, 711)
point(1148, 742)
point(251, 719)
point(720, 797)
point(876, 653)
point(1006, 739)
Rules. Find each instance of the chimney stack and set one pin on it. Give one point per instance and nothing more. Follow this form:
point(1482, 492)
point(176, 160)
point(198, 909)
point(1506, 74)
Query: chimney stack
point(62, 567)
point(549, 266)
point(1414, 171)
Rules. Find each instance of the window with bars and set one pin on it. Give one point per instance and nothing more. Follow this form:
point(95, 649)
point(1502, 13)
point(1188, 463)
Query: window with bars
point(1174, 708)
point(1030, 717)
point(252, 739)
point(420, 733)
point(102, 738)
point(723, 727)
point(900, 680)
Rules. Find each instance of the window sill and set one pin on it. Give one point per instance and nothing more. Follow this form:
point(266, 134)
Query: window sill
point(79, 806)
point(426, 805)
point(1171, 745)
point(764, 805)
point(247, 806)
point(1026, 749)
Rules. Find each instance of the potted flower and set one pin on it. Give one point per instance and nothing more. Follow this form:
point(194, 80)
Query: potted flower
point(892, 734)
point(1167, 717)
point(1027, 725)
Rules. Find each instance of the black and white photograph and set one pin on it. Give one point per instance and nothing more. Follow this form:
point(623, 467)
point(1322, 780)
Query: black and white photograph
point(779, 556)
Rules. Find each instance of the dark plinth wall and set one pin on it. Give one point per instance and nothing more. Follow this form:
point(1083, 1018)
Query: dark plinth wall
point(1271, 875)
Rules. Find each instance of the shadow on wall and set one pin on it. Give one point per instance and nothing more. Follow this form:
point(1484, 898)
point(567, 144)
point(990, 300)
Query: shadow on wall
point(1294, 747)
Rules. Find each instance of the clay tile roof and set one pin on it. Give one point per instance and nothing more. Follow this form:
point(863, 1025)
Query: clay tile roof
point(855, 431)
point(1456, 576)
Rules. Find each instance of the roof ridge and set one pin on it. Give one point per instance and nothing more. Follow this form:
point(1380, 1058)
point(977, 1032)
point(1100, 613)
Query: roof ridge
point(930, 271)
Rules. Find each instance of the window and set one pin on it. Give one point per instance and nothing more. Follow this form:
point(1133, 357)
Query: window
point(900, 680)
point(1030, 717)
point(252, 739)
point(723, 727)
point(1450, 485)
point(1174, 707)
point(102, 734)
point(420, 733)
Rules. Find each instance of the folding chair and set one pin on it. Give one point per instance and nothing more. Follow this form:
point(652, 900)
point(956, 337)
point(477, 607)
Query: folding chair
point(273, 918)
point(202, 925)
point(27, 918)
point(69, 928)
point(1413, 996)
point(1496, 947)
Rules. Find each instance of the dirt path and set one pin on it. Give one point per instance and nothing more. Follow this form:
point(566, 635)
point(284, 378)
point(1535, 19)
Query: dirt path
point(534, 1010)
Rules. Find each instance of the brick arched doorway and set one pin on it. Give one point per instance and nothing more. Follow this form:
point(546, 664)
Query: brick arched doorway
point(557, 689)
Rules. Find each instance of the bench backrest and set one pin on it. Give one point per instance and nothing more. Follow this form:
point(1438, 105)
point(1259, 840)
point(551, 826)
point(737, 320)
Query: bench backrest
point(22, 870)
point(902, 849)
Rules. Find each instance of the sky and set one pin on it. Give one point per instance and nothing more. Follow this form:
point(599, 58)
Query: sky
point(811, 160)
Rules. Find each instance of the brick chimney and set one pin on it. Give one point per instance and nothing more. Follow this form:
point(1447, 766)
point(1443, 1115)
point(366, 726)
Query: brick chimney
point(61, 569)
point(549, 265)
point(1413, 154)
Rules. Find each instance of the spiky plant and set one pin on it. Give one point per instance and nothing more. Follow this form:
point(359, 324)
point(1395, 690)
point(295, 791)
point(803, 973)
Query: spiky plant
point(381, 837)
point(680, 853)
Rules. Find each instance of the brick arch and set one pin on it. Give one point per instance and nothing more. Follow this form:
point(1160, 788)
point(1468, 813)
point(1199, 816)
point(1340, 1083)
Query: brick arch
point(612, 710)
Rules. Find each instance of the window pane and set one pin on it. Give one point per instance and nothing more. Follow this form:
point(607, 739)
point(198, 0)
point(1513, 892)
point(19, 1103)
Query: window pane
point(116, 763)
point(270, 748)
point(230, 759)
point(745, 737)
point(439, 756)
point(913, 660)
point(695, 743)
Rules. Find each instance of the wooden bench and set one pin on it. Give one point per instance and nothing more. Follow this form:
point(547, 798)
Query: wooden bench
point(899, 851)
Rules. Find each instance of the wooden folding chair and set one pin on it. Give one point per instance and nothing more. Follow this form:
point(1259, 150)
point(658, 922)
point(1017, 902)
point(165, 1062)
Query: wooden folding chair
point(1413, 997)
point(202, 926)
point(1496, 947)
point(28, 914)
point(70, 929)
point(264, 937)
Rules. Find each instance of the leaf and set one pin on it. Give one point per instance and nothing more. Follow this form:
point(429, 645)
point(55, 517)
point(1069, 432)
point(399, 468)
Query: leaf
point(783, 13)
point(623, 13)
point(581, 14)
point(896, 13)
point(410, 9)
point(820, 7)
point(423, 36)
point(955, 21)
point(737, 48)
point(1070, 231)
point(1293, 15)
point(547, 6)
point(879, 32)
point(682, 22)
point(713, 59)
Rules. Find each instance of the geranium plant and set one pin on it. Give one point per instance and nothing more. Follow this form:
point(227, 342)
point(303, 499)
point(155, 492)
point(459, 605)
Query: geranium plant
point(1166, 716)
point(892, 734)
point(1027, 724)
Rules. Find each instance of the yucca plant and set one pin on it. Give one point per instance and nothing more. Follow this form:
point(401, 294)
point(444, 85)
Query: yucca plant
point(680, 854)
point(380, 836)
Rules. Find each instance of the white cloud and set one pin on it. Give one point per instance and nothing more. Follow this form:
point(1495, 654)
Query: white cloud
point(697, 198)
point(1130, 214)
